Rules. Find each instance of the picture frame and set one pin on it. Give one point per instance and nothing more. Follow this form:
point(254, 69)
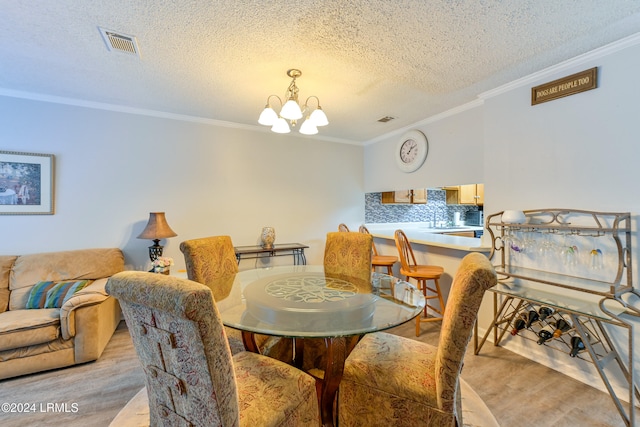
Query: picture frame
point(26, 183)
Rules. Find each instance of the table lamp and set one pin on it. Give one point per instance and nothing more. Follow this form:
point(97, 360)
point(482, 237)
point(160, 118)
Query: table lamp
point(156, 229)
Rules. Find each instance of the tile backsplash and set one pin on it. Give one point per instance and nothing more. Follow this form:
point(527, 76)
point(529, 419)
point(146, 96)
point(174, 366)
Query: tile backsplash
point(435, 210)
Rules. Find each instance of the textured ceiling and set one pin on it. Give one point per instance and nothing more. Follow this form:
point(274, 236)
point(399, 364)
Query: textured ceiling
point(219, 60)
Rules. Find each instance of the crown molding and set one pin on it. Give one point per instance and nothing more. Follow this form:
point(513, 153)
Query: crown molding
point(154, 113)
point(567, 65)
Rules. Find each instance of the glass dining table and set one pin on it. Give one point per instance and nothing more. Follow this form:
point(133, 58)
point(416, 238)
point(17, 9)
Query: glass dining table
point(301, 302)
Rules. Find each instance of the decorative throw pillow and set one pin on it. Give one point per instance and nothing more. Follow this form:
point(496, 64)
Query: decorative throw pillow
point(62, 291)
point(38, 294)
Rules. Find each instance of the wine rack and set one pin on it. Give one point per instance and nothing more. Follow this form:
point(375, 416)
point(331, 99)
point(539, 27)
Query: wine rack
point(577, 263)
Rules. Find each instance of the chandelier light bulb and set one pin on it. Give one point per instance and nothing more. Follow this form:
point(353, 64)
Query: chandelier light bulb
point(268, 116)
point(281, 126)
point(319, 117)
point(291, 111)
point(308, 127)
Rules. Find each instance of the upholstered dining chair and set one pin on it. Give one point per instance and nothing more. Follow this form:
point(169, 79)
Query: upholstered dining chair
point(348, 255)
point(377, 260)
point(212, 262)
point(421, 273)
point(343, 228)
point(190, 374)
point(395, 381)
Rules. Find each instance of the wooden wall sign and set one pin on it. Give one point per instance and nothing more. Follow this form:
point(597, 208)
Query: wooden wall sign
point(566, 86)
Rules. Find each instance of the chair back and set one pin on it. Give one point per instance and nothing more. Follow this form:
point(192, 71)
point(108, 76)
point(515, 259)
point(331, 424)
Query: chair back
point(348, 256)
point(407, 258)
point(212, 262)
point(474, 276)
point(365, 230)
point(343, 228)
point(181, 344)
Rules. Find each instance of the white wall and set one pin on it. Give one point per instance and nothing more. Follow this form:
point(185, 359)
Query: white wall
point(578, 152)
point(113, 168)
point(455, 155)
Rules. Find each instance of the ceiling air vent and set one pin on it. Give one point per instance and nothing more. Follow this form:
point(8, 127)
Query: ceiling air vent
point(386, 119)
point(118, 42)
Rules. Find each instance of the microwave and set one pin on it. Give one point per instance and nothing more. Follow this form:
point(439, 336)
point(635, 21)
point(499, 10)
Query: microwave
point(474, 218)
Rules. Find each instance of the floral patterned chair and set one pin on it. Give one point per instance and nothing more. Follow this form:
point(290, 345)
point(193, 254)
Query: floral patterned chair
point(212, 262)
point(391, 380)
point(348, 255)
point(191, 376)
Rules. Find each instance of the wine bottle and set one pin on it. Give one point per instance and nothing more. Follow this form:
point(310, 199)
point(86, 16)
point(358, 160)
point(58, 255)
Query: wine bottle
point(562, 326)
point(518, 325)
point(545, 312)
point(532, 316)
point(545, 335)
point(576, 346)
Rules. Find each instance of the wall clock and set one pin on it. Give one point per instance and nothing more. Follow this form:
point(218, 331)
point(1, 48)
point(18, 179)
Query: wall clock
point(411, 151)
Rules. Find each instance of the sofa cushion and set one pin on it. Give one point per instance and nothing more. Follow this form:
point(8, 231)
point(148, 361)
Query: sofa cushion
point(80, 264)
point(62, 291)
point(38, 294)
point(6, 262)
point(22, 328)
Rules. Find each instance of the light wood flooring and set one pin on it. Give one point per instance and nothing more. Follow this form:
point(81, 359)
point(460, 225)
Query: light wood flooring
point(518, 391)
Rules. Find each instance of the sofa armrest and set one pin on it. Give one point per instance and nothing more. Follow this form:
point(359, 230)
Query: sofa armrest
point(91, 295)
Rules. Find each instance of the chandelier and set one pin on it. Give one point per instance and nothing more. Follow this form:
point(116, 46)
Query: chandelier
point(291, 111)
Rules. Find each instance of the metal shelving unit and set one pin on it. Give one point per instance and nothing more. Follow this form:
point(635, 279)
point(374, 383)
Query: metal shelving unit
point(539, 263)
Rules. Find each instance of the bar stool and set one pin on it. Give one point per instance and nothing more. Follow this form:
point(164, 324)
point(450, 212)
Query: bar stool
point(421, 273)
point(385, 261)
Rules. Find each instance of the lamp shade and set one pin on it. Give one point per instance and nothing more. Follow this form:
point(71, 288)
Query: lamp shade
point(319, 117)
point(291, 110)
point(280, 126)
point(268, 117)
point(157, 228)
point(308, 127)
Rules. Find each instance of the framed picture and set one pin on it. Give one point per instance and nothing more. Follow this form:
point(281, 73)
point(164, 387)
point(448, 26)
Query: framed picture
point(26, 183)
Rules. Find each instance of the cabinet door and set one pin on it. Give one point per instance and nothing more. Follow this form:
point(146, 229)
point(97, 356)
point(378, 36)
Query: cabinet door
point(402, 196)
point(479, 194)
point(419, 196)
point(467, 194)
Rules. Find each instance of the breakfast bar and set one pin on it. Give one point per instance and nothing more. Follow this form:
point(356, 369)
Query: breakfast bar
point(431, 246)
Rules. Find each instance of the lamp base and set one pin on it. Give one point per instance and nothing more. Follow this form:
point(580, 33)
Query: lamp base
point(155, 250)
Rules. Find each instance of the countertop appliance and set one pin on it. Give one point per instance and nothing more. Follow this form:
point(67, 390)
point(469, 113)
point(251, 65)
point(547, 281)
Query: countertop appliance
point(475, 218)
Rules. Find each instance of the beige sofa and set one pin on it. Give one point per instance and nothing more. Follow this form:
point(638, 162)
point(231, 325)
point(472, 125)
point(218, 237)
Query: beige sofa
point(38, 339)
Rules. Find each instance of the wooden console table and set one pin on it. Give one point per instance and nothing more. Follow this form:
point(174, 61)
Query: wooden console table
point(296, 250)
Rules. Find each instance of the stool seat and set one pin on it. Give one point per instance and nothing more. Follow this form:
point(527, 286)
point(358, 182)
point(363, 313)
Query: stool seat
point(427, 272)
point(386, 261)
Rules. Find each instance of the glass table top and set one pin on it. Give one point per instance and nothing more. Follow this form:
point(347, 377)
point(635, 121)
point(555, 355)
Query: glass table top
point(302, 302)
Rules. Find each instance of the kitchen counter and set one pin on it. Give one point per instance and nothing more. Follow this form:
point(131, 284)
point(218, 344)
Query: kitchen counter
point(420, 233)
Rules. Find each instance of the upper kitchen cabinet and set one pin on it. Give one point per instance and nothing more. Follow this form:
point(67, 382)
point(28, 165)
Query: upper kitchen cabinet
point(471, 194)
point(418, 196)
